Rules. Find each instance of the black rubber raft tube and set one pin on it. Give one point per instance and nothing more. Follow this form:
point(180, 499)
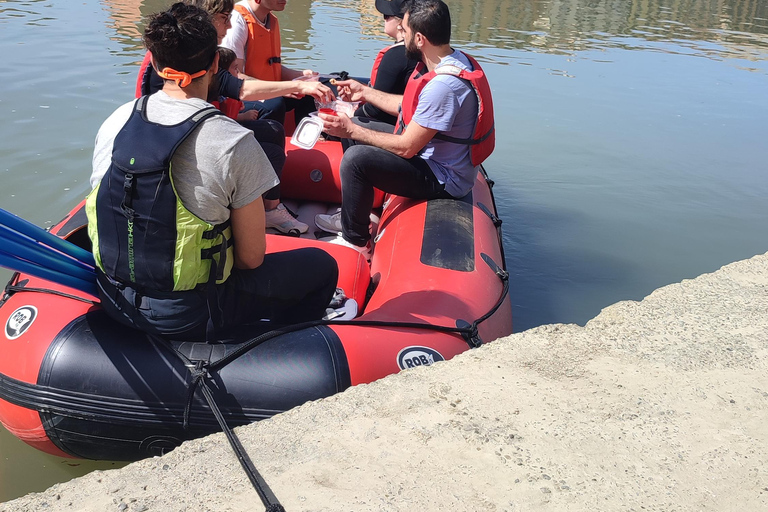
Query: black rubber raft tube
point(129, 401)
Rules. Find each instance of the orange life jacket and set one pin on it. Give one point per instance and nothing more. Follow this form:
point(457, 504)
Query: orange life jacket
point(262, 51)
point(377, 62)
point(483, 139)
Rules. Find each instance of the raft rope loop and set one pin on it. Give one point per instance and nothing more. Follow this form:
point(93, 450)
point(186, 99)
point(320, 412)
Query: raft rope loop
point(200, 371)
point(10, 289)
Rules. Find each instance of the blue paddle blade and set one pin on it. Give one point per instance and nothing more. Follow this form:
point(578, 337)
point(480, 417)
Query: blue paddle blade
point(15, 263)
point(38, 234)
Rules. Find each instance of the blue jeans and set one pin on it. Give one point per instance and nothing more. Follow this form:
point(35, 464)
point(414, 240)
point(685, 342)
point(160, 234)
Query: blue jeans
point(275, 108)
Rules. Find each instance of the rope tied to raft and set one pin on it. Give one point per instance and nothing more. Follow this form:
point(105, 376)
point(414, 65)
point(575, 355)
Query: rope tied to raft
point(200, 376)
point(20, 286)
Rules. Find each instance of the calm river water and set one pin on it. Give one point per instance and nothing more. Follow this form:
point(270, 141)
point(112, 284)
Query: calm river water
point(631, 136)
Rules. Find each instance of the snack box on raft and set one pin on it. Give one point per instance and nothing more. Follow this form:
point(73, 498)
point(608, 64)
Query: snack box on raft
point(75, 383)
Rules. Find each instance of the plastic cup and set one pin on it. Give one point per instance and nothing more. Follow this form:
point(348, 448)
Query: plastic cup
point(345, 107)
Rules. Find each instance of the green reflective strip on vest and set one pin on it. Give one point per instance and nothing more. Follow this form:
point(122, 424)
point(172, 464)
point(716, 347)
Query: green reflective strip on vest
point(93, 232)
point(131, 253)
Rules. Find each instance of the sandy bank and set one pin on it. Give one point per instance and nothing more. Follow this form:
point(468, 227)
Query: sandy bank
point(653, 405)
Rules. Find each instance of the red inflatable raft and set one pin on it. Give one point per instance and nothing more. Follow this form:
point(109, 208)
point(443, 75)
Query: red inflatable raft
point(77, 384)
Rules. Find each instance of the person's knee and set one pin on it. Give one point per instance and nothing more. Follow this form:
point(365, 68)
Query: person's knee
point(278, 131)
point(324, 263)
point(356, 162)
point(276, 156)
point(353, 158)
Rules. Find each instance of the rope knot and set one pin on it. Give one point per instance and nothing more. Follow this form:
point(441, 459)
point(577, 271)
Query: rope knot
point(469, 333)
point(198, 373)
point(182, 78)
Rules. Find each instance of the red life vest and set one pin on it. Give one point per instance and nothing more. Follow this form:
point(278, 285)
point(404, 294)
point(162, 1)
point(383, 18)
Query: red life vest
point(377, 62)
point(262, 51)
point(142, 80)
point(483, 139)
point(230, 107)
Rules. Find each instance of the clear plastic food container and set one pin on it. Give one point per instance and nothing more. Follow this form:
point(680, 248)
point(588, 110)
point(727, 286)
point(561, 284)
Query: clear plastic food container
point(307, 132)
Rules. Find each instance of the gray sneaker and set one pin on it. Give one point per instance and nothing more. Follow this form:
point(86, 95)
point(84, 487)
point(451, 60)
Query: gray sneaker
point(282, 220)
point(329, 223)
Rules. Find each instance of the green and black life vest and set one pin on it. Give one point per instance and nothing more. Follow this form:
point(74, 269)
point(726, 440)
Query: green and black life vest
point(143, 236)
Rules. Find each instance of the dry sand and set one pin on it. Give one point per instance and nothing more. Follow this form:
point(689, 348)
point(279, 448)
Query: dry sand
point(653, 405)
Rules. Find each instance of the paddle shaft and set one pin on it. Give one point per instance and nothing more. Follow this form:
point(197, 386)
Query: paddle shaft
point(24, 227)
point(13, 262)
point(43, 255)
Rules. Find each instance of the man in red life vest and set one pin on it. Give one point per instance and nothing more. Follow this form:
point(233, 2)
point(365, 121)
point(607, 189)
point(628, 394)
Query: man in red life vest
point(445, 128)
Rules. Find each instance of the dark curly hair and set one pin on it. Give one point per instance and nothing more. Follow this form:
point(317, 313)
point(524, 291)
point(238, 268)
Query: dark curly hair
point(226, 57)
point(182, 38)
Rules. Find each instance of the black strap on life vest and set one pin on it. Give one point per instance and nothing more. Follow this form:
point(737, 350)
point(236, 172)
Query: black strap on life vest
point(467, 142)
point(216, 272)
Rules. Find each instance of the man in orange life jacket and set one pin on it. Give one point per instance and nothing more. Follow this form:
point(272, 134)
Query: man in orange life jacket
point(444, 131)
point(255, 38)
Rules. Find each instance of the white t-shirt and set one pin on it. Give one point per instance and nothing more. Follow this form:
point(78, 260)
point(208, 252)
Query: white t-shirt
point(218, 167)
point(237, 35)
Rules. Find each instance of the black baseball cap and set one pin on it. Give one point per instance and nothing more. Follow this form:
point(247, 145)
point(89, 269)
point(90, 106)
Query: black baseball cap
point(390, 7)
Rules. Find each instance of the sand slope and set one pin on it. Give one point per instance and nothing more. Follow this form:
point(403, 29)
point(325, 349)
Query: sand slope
point(654, 405)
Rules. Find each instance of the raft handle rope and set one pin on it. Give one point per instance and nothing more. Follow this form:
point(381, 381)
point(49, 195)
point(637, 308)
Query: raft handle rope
point(491, 183)
point(10, 289)
point(470, 330)
point(496, 220)
point(200, 376)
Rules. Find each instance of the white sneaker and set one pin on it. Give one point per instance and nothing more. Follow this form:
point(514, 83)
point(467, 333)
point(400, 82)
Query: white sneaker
point(282, 220)
point(346, 311)
point(329, 223)
point(366, 250)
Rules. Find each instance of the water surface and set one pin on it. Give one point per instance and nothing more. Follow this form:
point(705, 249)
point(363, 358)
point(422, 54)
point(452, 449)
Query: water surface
point(631, 136)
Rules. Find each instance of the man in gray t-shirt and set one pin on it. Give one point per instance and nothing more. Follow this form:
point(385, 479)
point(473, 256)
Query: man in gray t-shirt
point(418, 161)
point(219, 173)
